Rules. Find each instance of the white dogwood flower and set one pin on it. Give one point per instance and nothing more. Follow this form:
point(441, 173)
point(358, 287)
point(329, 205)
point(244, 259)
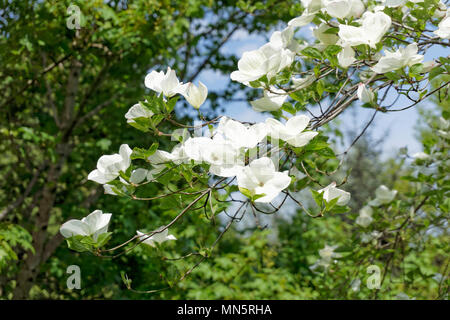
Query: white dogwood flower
point(346, 56)
point(327, 253)
point(272, 100)
point(223, 157)
point(337, 8)
point(285, 39)
point(396, 60)
point(356, 8)
point(300, 83)
point(343, 8)
point(109, 166)
point(261, 178)
point(167, 83)
point(196, 96)
point(355, 284)
point(373, 236)
point(195, 148)
point(443, 30)
point(393, 3)
point(428, 65)
point(161, 156)
point(383, 196)
point(421, 156)
point(365, 216)
point(440, 11)
point(292, 132)
point(443, 123)
point(221, 154)
point(303, 20)
point(267, 60)
point(240, 135)
point(373, 27)
point(158, 237)
point(156, 170)
point(325, 38)
point(330, 192)
point(138, 175)
point(137, 111)
point(108, 189)
point(93, 225)
point(365, 94)
point(312, 5)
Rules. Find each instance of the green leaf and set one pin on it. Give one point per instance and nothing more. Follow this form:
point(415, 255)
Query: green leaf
point(416, 69)
point(318, 197)
point(103, 239)
point(155, 120)
point(141, 153)
point(250, 194)
point(333, 49)
point(288, 107)
point(79, 244)
point(125, 279)
point(297, 96)
point(312, 53)
point(435, 72)
point(394, 76)
point(320, 87)
point(316, 144)
point(327, 153)
point(170, 105)
point(331, 204)
point(142, 124)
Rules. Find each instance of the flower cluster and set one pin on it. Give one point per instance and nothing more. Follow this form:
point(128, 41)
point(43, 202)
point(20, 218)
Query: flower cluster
point(348, 35)
point(383, 196)
point(327, 257)
point(224, 149)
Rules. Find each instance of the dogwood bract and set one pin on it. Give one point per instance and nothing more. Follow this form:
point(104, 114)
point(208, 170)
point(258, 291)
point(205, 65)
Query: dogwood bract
point(396, 60)
point(109, 166)
point(160, 156)
point(327, 255)
point(421, 156)
point(346, 57)
point(272, 100)
point(372, 29)
point(167, 83)
point(93, 225)
point(343, 8)
point(268, 60)
point(364, 94)
point(300, 83)
point(261, 179)
point(292, 131)
point(137, 111)
point(138, 175)
point(365, 216)
point(240, 135)
point(196, 96)
point(158, 237)
point(330, 192)
point(383, 196)
point(443, 30)
point(323, 37)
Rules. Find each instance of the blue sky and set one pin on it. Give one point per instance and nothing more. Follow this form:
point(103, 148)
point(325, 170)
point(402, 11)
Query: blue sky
point(398, 125)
